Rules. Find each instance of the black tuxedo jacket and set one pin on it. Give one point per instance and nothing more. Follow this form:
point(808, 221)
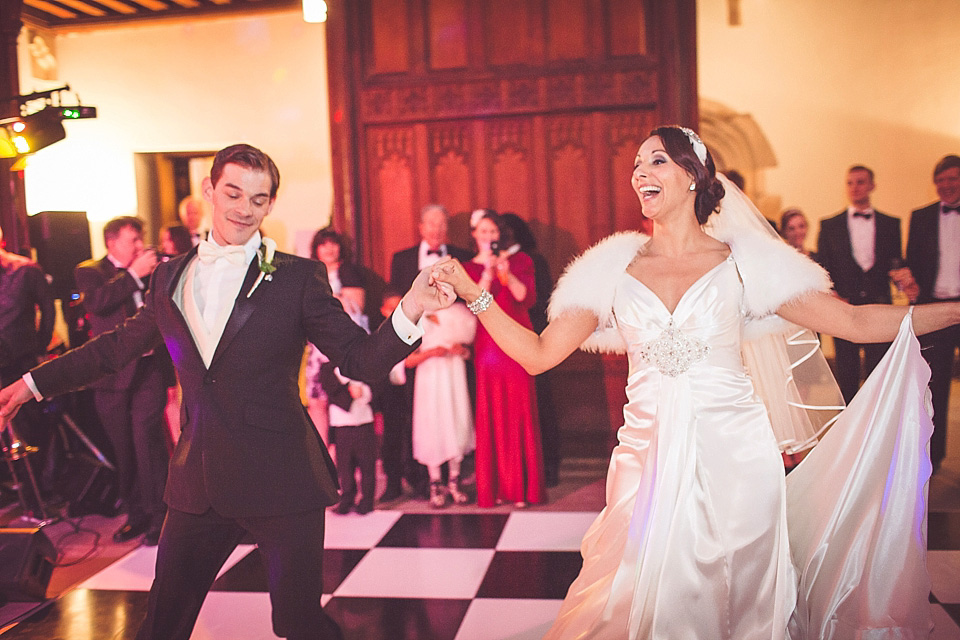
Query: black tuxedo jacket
point(835, 253)
point(247, 447)
point(108, 301)
point(923, 249)
point(404, 266)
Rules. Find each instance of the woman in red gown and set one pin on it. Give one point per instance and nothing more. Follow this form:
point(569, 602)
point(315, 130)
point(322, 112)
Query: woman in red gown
point(509, 458)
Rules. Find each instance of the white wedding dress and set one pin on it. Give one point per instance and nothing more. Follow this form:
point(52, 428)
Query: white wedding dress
point(703, 538)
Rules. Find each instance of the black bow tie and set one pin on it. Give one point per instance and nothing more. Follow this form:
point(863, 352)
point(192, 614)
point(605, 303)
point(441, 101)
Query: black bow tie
point(862, 214)
point(438, 252)
point(948, 209)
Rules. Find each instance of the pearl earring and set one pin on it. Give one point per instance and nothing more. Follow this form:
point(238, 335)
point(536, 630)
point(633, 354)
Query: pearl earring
point(693, 186)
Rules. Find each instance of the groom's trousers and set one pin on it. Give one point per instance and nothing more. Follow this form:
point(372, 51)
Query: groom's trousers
point(193, 548)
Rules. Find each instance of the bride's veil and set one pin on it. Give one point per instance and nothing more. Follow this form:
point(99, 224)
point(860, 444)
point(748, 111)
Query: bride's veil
point(786, 364)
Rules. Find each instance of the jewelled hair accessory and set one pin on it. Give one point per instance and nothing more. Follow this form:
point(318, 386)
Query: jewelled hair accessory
point(698, 147)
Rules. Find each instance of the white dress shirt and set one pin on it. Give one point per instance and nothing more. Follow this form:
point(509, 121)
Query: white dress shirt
point(948, 273)
point(863, 233)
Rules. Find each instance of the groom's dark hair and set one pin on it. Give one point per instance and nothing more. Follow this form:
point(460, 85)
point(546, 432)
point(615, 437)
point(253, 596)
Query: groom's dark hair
point(248, 157)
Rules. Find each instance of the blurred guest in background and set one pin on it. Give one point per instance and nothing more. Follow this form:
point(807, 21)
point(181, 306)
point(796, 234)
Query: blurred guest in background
point(404, 267)
point(859, 247)
point(351, 423)
point(442, 414)
point(131, 402)
point(794, 228)
point(192, 212)
point(174, 240)
point(346, 282)
point(524, 239)
point(933, 255)
point(509, 460)
point(27, 315)
point(393, 402)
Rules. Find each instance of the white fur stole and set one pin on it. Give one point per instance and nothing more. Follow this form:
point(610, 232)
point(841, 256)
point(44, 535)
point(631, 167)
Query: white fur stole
point(773, 273)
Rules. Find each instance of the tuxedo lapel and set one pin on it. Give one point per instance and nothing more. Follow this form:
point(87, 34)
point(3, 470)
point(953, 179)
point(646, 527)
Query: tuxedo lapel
point(171, 289)
point(846, 243)
point(243, 308)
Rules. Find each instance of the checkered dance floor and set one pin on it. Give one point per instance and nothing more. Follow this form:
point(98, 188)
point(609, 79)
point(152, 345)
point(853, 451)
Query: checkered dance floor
point(392, 575)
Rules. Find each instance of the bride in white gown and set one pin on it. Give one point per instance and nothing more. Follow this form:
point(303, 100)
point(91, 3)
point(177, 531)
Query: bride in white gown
point(702, 537)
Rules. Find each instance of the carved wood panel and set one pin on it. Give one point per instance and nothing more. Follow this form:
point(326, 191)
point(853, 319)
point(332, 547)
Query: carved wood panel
point(531, 106)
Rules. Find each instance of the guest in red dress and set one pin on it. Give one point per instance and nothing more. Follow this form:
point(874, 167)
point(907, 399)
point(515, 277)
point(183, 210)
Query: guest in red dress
point(509, 459)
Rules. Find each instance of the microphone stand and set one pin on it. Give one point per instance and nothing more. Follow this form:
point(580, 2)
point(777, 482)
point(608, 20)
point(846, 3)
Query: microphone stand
point(14, 452)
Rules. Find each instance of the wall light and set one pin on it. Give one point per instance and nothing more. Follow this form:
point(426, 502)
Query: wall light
point(314, 11)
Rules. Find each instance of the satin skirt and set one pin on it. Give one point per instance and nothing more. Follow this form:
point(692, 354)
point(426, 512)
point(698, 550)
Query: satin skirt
point(702, 536)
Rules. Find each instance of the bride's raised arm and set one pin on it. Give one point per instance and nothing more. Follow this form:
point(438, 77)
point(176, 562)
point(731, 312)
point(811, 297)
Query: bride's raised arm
point(827, 314)
point(535, 353)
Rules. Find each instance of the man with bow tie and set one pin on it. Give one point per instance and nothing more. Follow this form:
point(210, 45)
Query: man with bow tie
point(130, 402)
point(236, 321)
point(860, 248)
point(933, 254)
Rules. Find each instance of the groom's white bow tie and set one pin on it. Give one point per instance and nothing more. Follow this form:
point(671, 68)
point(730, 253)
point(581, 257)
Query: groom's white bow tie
point(210, 253)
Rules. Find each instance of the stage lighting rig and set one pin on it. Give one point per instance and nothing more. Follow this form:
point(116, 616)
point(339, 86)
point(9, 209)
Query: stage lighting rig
point(40, 122)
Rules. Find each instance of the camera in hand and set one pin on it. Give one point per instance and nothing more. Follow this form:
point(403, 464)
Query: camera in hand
point(495, 248)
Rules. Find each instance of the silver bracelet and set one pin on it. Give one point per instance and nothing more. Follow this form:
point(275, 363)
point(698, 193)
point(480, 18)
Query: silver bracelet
point(482, 303)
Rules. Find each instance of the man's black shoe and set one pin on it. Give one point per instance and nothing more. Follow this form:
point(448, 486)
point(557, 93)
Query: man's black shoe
point(129, 531)
point(364, 507)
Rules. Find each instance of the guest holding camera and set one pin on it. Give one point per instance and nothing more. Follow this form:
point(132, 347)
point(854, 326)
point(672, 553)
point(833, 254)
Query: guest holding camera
point(509, 458)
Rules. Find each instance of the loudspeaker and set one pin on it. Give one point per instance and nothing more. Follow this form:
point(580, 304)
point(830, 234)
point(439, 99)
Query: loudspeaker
point(62, 241)
point(26, 562)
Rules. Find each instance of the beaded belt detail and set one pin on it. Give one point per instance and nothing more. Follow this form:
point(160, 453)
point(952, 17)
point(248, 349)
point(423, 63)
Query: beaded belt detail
point(673, 352)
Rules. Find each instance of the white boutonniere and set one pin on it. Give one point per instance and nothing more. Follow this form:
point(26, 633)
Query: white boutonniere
point(265, 254)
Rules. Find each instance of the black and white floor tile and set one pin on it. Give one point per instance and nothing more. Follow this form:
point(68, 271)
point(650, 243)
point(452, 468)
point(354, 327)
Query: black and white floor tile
point(393, 575)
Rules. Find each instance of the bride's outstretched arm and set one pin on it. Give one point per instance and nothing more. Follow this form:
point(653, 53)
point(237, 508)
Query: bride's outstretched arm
point(827, 314)
point(535, 353)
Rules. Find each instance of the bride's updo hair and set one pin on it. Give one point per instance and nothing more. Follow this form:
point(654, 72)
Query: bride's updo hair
point(680, 149)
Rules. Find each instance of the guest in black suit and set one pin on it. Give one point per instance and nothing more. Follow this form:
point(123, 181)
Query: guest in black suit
point(933, 255)
point(397, 450)
point(859, 247)
point(236, 316)
point(27, 315)
point(131, 402)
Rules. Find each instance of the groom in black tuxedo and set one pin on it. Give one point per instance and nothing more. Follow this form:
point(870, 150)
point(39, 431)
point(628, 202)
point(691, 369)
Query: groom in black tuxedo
point(236, 317)
point(933, 254)
point(859, 247)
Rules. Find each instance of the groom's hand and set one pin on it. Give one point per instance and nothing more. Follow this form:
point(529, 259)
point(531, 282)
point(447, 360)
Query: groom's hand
point(11, 397)
point(426, 295)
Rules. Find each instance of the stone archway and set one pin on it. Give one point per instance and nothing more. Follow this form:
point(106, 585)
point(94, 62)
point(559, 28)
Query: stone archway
point(737, 143)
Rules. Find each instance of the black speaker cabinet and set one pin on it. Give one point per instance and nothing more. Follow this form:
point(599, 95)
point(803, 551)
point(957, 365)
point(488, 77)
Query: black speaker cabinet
point(26, 562)
point(62, 241)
